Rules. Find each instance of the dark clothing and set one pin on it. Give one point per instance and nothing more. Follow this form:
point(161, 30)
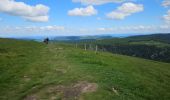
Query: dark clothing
point(46, 41)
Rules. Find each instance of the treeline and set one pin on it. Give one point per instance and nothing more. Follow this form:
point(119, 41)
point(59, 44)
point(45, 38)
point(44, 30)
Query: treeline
point(143, 51)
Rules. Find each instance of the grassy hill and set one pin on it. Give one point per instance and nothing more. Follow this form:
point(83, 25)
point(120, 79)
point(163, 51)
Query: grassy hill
point(35, 71)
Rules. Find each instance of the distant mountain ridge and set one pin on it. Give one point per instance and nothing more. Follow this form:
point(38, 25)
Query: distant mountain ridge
point(77, 38)
point(156, 37)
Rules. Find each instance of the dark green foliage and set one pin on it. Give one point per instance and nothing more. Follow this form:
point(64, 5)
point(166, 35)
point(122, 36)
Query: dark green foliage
point(144, 51)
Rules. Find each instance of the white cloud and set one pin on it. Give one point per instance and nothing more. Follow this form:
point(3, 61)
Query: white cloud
point(165, 26)
point(166, 3)
point(167, 17)
point(125, 10)
point(52, 28)
point(24, 31)
point(33, 29)
point(38, 13)
point(44, 28)
point(88, 11)
point(98, 2)
point(37, 18)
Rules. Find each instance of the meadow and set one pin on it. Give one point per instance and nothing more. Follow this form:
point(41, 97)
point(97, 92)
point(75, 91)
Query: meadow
point(58, 71)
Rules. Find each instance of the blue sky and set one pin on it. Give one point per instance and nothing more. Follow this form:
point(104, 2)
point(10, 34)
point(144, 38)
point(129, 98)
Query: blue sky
point(21, 18)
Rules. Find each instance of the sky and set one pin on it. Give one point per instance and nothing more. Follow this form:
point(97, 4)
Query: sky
point(24, 18)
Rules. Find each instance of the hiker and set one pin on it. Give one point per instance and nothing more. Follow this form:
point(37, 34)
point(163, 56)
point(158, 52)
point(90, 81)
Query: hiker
point(46, 41)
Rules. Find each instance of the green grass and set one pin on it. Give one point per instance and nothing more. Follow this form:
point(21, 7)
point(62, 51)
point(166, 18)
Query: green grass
point(28, 67)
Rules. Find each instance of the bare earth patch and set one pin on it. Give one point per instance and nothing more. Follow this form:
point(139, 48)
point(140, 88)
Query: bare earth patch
point(115, 91)
point(61, 71)
point(26, 78)
point(71, 92)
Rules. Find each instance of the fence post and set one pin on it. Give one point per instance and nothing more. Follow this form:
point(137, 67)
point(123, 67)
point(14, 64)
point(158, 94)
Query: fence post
point(76, 45)
point(85, 47)
point(90, 47)
point(96, 49)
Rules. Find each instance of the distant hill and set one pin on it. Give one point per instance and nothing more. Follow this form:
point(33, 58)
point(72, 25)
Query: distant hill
point(155, 37)
point(79, 38)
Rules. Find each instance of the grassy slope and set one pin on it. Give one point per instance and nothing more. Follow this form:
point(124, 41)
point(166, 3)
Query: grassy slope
point(28, 67)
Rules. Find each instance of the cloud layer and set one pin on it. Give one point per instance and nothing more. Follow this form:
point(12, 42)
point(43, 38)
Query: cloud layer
point(31, 30)
point(88, 11)
point(54, 30)
point(135, 29)
point(125, 10)
point(98, 2)
point(38, 13)
point(166, 3)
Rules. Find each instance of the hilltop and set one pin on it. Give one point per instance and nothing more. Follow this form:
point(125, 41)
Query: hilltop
point(34, 71)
